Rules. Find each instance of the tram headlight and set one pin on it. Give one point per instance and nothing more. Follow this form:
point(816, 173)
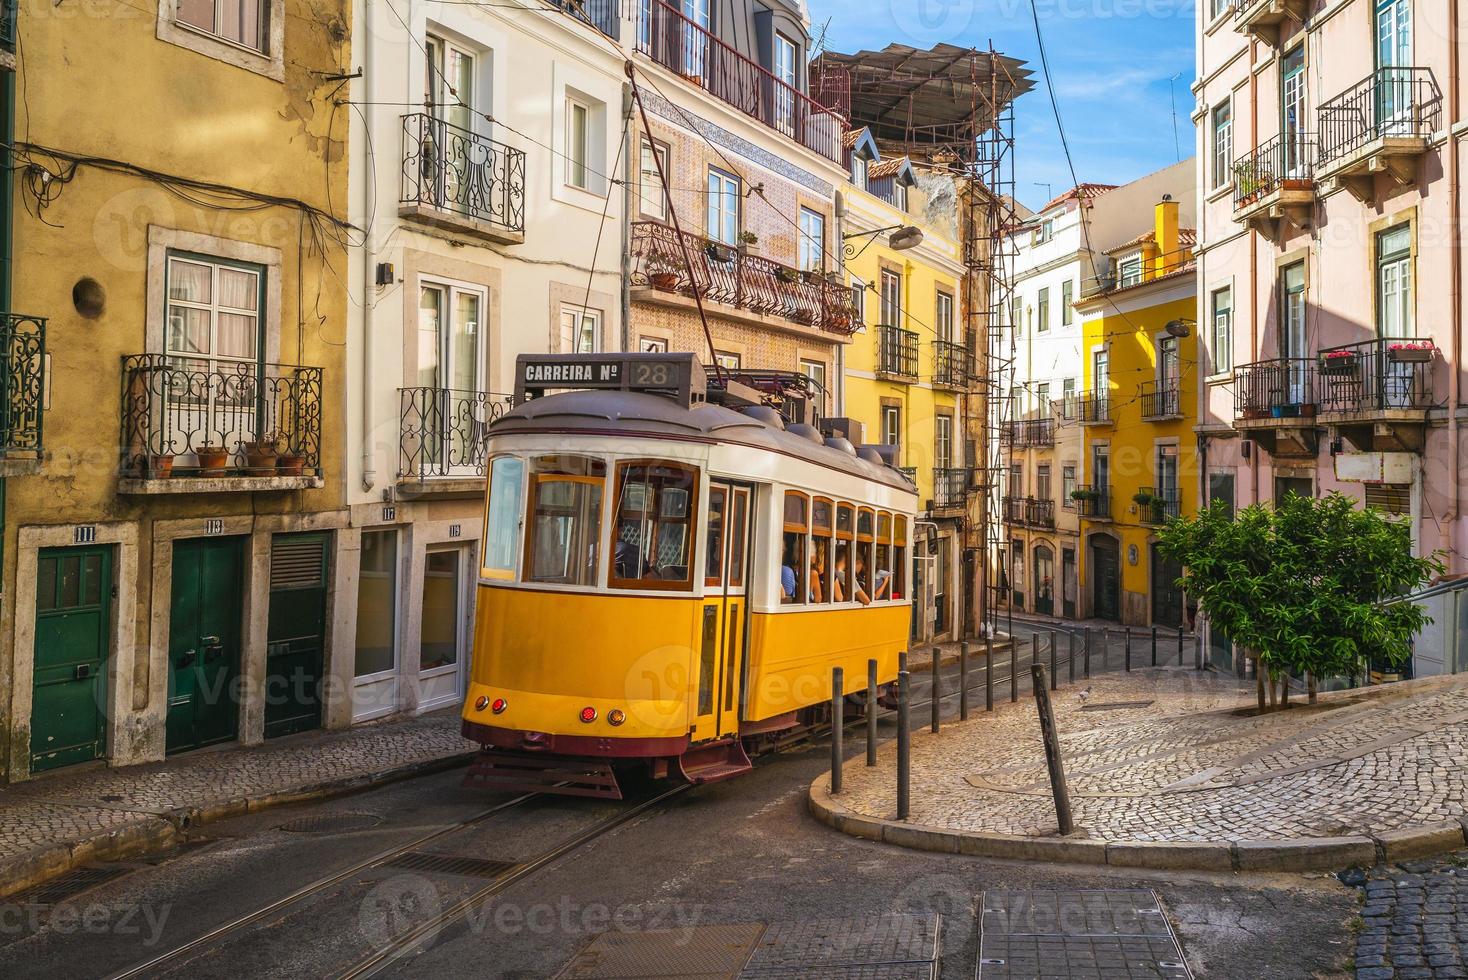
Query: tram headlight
point(499, 706)
point(588, 714)
point(616, 716)
point(482, 703)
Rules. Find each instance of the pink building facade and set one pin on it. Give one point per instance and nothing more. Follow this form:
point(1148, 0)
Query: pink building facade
point(1330, 291)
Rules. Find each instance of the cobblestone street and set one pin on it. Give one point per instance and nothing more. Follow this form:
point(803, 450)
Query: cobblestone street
point(1174, 755)
point(1414, 921)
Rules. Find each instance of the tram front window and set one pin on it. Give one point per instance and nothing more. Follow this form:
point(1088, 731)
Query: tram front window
point(652, 538)
point(502, 526)
point(565, 523)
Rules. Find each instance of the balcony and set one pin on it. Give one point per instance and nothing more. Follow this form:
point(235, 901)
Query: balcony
point(1157, 507)
point(897, 354)
point(461, 181)
point(196, 425)
point(1014, 510)
point(1378, 392)
point(773, 294)
point(950, 487)
point(1031, 512)
point(1090, 407)
point(1028, 433)
point(604, 15)
point(22, 392)
point(1093, 501)
point(1160, 401)
point(441, 438)
point(1265, 19)
point(1275, 404)
point(1381, 125)
point(950, 365)
point(701, 59)
point(1276, 183)
point(9, 10)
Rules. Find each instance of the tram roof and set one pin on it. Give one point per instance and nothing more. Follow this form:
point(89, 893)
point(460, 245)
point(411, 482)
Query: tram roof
point(631, 413)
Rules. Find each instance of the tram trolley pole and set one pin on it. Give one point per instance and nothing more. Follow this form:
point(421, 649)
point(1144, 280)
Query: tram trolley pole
point(837, 728)
point(988, 673)
point(904, 743)
point(871, 713)
point(936, 694)
point(1154, 646)
point(963, 681)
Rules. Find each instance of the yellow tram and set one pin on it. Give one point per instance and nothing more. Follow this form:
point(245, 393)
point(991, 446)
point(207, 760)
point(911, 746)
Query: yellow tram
point(669, 573)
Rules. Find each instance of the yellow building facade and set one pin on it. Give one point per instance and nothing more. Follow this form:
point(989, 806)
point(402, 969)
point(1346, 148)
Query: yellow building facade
point(907, 369)
point(1138, 413)
point(169, 549)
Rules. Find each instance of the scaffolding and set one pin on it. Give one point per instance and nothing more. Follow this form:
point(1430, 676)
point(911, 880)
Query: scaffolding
point(952, 110)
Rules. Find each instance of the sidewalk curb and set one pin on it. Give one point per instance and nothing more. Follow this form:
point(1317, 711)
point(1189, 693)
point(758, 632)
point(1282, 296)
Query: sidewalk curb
point(157, 831)
point(1300, 854)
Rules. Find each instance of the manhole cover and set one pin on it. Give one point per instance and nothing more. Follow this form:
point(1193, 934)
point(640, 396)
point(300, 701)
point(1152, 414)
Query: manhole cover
point(331, 823)
point(66, 886)
point(1117, 705)
point(1108, 932)
point(879, 947)
point(448, 864)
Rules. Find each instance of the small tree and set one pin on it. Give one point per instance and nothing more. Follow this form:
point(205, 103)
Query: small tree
point(1302, 585)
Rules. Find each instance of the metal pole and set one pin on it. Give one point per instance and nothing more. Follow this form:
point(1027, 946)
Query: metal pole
point(1053, 760)
point(988, 673)
point(904, 747)
point(1128, 649)
point(1013, 668)
point(1070, 657)
point(1088, 653)
point(963, 681)
point(1154, 646)
point(837, 717)
point(901, 661)
point(871, 713)
point(1054, 677)
point(936, 694)
point(1179, 646)
point(1198, 648)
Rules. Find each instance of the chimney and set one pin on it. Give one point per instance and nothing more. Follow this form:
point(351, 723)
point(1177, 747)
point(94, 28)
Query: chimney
point(1165, 229)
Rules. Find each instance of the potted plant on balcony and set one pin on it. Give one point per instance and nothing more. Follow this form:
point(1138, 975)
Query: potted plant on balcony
point(1143, 499)
point(747, 240)
point(719, 252)
point(804, 316)
point(261, 454)
point(212, 460)
point(662, 273)
point(787, 275)
point(1411, 351)
point(1338, 362)
point(290, 462)
point(1247, 183)
point(159, 466)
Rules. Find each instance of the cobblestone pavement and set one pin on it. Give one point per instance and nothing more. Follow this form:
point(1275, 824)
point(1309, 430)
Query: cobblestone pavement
point(73, 806)
point(1173, 754)
point(1414, 922)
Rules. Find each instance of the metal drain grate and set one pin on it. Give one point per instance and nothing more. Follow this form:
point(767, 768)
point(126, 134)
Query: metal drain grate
point(331, 823)
point(69, 885)
point(448, 864)
point(1110, 932)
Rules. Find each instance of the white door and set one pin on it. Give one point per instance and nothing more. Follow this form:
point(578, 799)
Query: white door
point(443, 628)
point(695, 38)
point(449, 90)
point(1292, 334)
point(376, 689)
point(450, 375)
point(1292, 108)
point(1393, 57)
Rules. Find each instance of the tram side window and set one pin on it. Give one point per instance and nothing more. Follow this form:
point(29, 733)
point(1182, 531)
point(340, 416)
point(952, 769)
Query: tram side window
point(793, 567)
point(882, 581)
point(565, 522)
point(652, 543)
point(899, 558)
point(844, 566)
point(822, 520)
point(714, 548)
point(865, 556)
point(502, 521)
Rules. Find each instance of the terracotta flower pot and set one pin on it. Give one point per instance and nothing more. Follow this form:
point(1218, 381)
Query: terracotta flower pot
point(212, 460)
point(290, 464)
point(666, 282)
point(160, 467)
point(260, 459)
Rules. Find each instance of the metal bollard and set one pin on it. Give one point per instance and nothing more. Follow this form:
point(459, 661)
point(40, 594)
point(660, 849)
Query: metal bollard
point(1198, 650)
point(1054, 678)
point(1070, 657)
point(1013, 668)
point(936, 694)
point(901, 661)
point(1179, 646)
point(963, 681)
point(838, 716)
point(1088, 653)
point(871, 713)
point(1154, 646)
point(904, 743)
point(1128, 649)
point(988, 673)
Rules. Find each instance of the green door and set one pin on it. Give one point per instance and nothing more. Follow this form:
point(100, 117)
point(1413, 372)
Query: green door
point(204, 642)
point(73, 614)
point(296, 639)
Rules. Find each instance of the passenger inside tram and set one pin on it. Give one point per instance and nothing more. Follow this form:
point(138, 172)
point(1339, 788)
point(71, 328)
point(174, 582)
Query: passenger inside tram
point(840, 576)
point(818, 573)
point(788, 583)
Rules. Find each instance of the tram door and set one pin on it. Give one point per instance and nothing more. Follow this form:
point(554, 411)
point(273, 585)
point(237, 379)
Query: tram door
point(721, 654)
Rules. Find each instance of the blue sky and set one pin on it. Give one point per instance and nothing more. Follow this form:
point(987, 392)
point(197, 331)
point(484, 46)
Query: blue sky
point(1111, 61)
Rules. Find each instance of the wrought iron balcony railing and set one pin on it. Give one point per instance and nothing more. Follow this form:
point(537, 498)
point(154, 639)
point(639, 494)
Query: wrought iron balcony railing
point(1286, 162)
point(604, 15)
point(1014, 510)
point(734, 277)
point(1094, 501)
point(449, 169)
point(185, 410)
point(1092, 407)
point(1403, 102)
point(950, 487)
point(897, 353)
point(950, 364)
point(1158, 506)
point(443, 431)
point(1160, 400)
point(1028, 433)
point(1376, 376)
point(1039, 512)
point(691, 51)
point(1280, 388)
point(22, 385)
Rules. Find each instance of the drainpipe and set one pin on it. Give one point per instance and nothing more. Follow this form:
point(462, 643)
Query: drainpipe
point(1455, 364)
point(630, 170)
point(1253, 270)
point(838, 397)
point(369, 278)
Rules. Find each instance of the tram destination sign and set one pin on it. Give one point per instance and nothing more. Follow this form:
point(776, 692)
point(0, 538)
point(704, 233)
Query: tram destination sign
point(678, 375)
